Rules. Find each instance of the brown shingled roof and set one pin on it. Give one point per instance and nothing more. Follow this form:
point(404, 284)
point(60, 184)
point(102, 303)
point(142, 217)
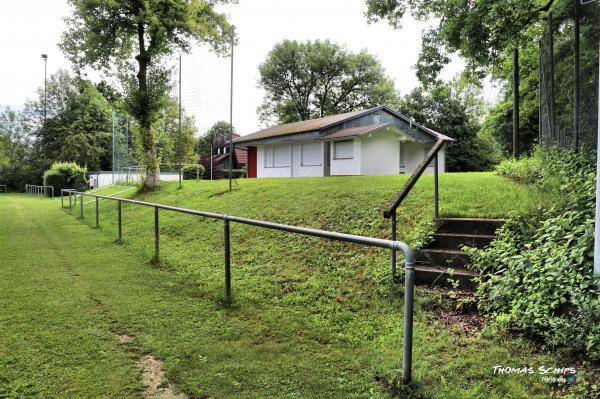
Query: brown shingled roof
point(298, 127)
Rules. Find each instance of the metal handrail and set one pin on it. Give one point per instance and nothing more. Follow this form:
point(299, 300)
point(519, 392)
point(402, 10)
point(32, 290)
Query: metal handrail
point(5, 188)
point(431, 155)
point(38, 190)
point(409, 259)
point(390, 212)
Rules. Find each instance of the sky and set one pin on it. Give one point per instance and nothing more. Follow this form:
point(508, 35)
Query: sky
point(29, 28)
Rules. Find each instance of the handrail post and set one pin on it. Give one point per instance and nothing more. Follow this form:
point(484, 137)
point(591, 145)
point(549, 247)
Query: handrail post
point(70, 202)
point(62, 200)
point(97, 216)
point(156, 243)
point(394, 249)
point(227, 249)
point(436, 188)
point(409, 291)
point(81, 206)
point(120, 222)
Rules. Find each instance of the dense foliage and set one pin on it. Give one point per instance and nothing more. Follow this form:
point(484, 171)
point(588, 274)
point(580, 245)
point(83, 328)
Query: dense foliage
point(66, 175)
point(539, 271)
point(306, 80)
point(217, 133)
point(134, 38)
point(454, 109)
point(192, 172)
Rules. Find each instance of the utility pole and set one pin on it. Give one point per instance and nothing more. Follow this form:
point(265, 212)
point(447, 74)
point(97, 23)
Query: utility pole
point(515, 82)
point(179, 146)
point(45, 58)
point(231, 112)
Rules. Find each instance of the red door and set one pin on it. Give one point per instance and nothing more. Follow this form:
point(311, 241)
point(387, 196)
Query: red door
point(251, 161)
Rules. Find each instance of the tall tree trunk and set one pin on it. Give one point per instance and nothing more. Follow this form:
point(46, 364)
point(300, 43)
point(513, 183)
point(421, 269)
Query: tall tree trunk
point(150, 155)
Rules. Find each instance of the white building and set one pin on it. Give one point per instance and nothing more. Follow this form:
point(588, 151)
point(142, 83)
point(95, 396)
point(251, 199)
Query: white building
point(376, 141)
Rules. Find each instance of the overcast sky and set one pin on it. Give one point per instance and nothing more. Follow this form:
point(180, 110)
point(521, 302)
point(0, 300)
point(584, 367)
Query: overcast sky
point(29, 28)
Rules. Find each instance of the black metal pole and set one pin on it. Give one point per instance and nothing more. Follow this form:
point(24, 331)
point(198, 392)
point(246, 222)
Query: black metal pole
point(393, 239)
point(81, 207)
point(97, 215)
point(120, 221)
point(552, 118)
point(576, 81)
point(227, 250)
point(515, 73)
point(436, 198)
point(231, 113)
point(179, 145)
point(156, 244)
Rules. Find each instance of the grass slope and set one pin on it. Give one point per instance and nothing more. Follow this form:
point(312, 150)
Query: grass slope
point(311, 318)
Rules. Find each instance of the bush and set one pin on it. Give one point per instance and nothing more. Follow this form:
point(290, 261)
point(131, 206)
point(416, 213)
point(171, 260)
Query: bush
point(190, 172)
point(539, 270)
point(65, 175)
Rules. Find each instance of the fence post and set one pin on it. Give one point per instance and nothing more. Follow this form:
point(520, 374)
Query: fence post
point(81, 206)
point(62, 200)
point(436, 199)
point(156, 244)
point(120, 222)
point(226, 240)
point(97, 216)
point(409, 290)
point(393, 219)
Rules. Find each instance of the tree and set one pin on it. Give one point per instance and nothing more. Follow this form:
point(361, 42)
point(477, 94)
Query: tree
point(480, 31)
point(167, 142)
point(17, 162)
point(455, 109)
point(219, 129)
point(107, 34)
point(76, 127)
point(305, 80)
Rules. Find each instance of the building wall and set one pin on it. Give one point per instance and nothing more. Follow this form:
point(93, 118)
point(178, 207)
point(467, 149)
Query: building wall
point(380, 154)
point(346, 167)
point(308, 159)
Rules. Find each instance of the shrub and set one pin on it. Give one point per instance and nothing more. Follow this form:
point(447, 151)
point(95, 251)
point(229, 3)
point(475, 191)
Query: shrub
point(191, 172)
point(65, 175)
point(539, 270)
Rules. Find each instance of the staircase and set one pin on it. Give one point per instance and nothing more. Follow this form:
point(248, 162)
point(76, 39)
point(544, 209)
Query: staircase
point(444, 252)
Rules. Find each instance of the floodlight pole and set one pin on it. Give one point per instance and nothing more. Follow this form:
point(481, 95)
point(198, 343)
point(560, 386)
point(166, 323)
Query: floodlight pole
point(45, 58)
point(597, 226)
point(179, 146)
point(515, 76)
point(113, 147)
point(231, 112)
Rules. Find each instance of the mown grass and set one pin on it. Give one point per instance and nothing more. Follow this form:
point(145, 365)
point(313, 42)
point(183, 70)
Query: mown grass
point(310, 318)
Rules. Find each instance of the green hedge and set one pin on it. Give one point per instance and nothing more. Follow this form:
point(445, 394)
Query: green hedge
point(66, 175)
point(190, 172)
point(539, 272)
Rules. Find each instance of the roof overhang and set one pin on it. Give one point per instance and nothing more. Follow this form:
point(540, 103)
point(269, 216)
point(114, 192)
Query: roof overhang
point(369, 131)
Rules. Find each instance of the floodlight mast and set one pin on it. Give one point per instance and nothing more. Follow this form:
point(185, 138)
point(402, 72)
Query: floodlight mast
point(231, 112)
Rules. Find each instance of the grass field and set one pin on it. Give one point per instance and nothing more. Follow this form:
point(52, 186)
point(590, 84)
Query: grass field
point(310, 319)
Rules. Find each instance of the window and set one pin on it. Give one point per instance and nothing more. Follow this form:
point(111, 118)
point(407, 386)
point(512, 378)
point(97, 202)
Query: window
point(282, 156)
point(343, 149)
point(311, 154)
point(268, 156)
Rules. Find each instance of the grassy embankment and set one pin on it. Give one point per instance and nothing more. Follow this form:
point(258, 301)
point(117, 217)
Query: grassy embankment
point(311, 318)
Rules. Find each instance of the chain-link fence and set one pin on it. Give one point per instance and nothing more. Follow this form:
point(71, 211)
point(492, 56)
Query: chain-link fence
point(569, 75)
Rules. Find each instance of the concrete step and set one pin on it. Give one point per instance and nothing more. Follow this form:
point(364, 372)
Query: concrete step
point(439, 276)
point(469, 225)
point(443, 257)
point(457, 240)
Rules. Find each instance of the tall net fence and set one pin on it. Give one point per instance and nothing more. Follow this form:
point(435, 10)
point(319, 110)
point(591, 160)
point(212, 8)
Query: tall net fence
point(123, 147)
point(569, 75)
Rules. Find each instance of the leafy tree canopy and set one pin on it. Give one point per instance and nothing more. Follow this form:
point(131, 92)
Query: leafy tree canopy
point(135, 37)
point(454, 109)
point(305, 80)
point(219, 129)
point(480, 31)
